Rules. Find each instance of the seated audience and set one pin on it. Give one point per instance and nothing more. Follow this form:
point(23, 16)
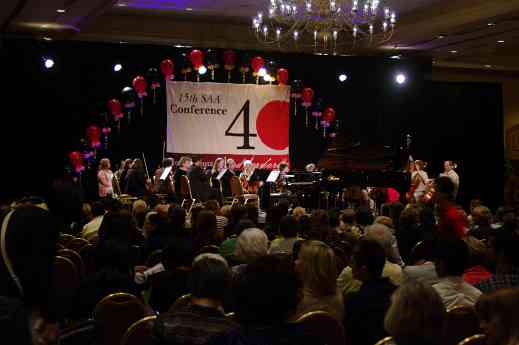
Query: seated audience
point(139, 210)
point(170, 284)
point(204, 317)
point(363, 218)
point(151, 223)
point(505, 248)
point(477, 271)
point(263, 319)
point(298, 212)
point(416, 315)
point(451, 260)
point(422, 269)
point(26, 283)
point(92, 227)
point(228, 246)
point(366, 308)
point(318, 271)
point(497, 313)
point(288, 227)
point(409, 232)
point(451, 218)
point(384, 234)
point(251, 245)
point(204, 231)
point(221, 220)
point(348, 225)
point(319, 226)
point(481, 219)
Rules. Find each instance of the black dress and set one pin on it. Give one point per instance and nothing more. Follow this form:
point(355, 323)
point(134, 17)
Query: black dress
point(199, 184)
point(178, 189)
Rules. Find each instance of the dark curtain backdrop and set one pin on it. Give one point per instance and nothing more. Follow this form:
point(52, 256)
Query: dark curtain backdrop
point(45, 112)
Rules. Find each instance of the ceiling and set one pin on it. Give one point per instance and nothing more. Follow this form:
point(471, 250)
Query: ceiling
point(455, 33)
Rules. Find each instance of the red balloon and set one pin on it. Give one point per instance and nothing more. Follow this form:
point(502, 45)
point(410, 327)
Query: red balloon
point(308, 95)
point(282, 76)
point(229, 59)
point(167, 67)
point(197, 58)
point(115, 107)
point(75, 158)
point(257, 63)
point(139, 84)
point(94, 135)
point(329, 115)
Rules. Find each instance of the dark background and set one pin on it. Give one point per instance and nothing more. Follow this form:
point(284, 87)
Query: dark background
point(45, 112)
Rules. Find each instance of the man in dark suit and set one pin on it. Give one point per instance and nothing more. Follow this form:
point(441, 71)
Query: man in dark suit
point(199, 181)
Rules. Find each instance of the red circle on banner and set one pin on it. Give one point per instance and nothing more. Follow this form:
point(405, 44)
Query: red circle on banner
point(272, 124)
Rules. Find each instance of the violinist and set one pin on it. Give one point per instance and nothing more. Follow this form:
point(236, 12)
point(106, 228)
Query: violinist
point(419, 180)
point(249, 185)
point(136, 181)
point(281, 182)
point(164, 177)
point(199, 181)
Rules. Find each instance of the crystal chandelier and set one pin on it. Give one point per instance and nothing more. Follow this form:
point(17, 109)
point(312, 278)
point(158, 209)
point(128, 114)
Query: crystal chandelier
point(324, 25)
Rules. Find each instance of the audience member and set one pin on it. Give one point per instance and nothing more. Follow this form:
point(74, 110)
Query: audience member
point(385, 235)
point(319, 225)
point(422, 268)
point(139, 210)
point(298, 212)
point(318, 271)
point(251, 245)
point(288, 228)
point(416, 315)
point(481, 219)
point(451, 260)
point(477, 271)
point(505, 250)
point(205, 229)
point(382, 235)
point(90, 230)
point(204, 316)
point(497, 314)
point(366, 308)
point(409, 233)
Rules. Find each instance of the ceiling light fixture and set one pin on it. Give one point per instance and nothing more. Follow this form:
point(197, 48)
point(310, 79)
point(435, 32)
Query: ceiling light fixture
point(189, 9)
point(61, 10)
point(343, 77)
point(400, 78)
point(396, 57)
point(324, 25)
point(48, 63)
point(440, 37)
point(118, 67)
point(488, 66)
point(46, 38)
point(491, 24)
point(122, 4)
point(454, 52)
point(501, 41)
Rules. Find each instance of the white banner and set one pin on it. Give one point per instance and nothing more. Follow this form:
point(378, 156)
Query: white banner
point(228, 119)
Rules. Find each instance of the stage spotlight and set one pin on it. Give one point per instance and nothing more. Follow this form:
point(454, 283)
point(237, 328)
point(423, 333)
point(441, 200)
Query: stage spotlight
point(118, 67)
point(400, 78)
point(48, 62)
point(343, 77)
point(268, 78)
point(202, 70)
point(262, 72)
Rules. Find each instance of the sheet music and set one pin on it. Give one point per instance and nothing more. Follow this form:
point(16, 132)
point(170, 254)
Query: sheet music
point(220, 175)
point(165, 174)
point(273, 176)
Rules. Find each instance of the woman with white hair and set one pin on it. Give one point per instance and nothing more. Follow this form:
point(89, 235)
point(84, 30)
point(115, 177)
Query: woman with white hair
point(252, 243)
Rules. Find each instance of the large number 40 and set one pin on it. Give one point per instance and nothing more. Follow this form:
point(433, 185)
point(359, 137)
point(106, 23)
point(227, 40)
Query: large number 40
point(246, 128)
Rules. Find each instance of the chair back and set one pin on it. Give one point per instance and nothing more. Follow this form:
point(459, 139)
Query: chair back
point(182, 301)
point(65, 282)
point(323, 326)
point(75, 258)
point(64, 239)
point(185, 187)
point(87, 253)
point(139, 333)
point(114, 314)
point(236, 187)
point(462, 322)
point(77, 243)
point(478, 339)
point(211, 248)
point(385, 341)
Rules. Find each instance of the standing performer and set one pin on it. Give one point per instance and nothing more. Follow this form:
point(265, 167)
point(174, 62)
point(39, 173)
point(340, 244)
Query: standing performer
point(246, 178)
point(136, 184)
point(184, 165)
point(449, 172)
point(105, 177)
point(199, 181)
point(164, 178)
point(418, 181)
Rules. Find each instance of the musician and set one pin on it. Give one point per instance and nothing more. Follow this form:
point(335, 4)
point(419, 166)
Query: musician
point(104, 178)
point(449, 172)
point(136, 183)
point(164, 185)
point(249, 185)
point(199, 181)
point(231, 166)
point(419, 180)
point(281, 181)
point(119, 179)
point(184, 165)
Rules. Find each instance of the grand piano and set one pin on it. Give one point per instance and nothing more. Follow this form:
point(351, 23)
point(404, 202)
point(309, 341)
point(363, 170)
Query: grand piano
point(346, 163)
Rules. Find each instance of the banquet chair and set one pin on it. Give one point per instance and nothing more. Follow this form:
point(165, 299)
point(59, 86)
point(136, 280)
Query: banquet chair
point(237, 192)
point(139, 333)
point(77, 243)
point(65, 282)
point(87, 254)
point(75, 258)
point(478, 339)
point(211, 248)
point(323, 326)
point(114, 314)
point(385, 341)
point(461, 323)
point(181, 301)
point(64, 239)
